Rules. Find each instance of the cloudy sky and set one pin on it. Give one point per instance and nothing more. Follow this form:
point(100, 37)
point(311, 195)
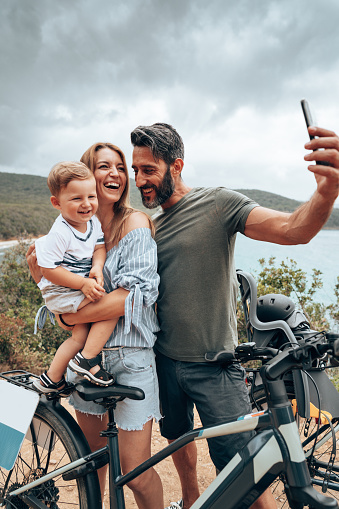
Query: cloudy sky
point(228, 74)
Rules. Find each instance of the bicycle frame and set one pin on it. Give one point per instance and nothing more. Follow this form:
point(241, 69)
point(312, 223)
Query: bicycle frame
point(274, 450)
point(235, 486)
point(266, 443)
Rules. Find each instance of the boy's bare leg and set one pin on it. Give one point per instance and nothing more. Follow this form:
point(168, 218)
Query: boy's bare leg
point(96, 340)
point(67, 350)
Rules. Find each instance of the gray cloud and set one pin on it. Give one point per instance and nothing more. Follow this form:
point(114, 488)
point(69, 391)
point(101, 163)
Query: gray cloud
point(76, 71)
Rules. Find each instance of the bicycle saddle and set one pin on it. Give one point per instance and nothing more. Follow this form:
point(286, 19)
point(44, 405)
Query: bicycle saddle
point(91, 392)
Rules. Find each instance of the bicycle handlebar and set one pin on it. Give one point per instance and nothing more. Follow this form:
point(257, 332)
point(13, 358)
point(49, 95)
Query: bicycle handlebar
point(300, 356)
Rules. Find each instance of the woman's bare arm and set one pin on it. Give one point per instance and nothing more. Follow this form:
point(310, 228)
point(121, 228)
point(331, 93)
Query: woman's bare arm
point(111, 305)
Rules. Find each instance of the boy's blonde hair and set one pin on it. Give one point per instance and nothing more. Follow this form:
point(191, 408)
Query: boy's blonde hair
point(63, 173)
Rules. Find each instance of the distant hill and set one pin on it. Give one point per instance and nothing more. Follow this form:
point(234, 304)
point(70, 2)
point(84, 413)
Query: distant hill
point(26, 209)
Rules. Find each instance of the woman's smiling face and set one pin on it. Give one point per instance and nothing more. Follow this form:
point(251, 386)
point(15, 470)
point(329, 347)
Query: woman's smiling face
point(110, 175)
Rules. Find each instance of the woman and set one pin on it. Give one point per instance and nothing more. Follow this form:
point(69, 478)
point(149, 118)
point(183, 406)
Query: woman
point(132, 285)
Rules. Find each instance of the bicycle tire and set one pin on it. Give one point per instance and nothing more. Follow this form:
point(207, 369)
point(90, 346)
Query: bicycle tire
point(48, 445)
point(324, 446)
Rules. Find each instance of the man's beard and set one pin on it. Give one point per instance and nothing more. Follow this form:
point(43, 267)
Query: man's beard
point(163, 192)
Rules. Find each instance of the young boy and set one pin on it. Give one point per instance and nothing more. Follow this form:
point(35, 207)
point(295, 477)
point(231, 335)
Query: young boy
point(71, 257)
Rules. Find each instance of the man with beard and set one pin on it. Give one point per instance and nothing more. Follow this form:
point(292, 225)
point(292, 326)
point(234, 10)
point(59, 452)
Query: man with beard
point(195, 236)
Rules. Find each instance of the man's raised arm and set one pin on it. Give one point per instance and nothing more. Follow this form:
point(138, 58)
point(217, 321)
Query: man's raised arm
point(303, 224)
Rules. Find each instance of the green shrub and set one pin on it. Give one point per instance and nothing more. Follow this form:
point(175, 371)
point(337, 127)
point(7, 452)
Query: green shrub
point(15, 351)
point(20, 299)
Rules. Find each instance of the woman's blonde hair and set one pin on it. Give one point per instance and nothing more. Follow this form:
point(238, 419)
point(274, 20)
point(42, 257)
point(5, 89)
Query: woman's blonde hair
point(122, 208)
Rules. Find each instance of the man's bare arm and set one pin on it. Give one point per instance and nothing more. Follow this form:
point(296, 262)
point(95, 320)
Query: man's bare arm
point(289, 229)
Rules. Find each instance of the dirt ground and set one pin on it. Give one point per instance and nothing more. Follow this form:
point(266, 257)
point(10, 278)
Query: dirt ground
point(167, 471)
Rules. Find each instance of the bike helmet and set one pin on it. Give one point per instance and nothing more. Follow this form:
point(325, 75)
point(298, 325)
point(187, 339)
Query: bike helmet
point(273, 306)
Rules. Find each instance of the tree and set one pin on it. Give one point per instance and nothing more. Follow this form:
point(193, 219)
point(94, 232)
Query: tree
point(293, 282)
point(334, 308)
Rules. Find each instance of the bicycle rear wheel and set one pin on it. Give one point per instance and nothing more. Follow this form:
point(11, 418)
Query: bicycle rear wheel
point(47, 446)
point(325, 477)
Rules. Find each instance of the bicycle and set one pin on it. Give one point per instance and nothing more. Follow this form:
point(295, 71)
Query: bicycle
point(39, 480)
point(311, 396)
point(43, 476)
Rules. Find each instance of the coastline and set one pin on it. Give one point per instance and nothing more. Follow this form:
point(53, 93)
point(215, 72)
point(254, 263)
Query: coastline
point(9, 243)
point(12, 242)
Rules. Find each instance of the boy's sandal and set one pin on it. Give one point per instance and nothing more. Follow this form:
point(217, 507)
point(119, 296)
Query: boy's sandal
point(82, 366)
point(45, 385)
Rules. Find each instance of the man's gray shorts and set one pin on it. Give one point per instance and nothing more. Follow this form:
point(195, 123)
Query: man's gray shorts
point(219, 394)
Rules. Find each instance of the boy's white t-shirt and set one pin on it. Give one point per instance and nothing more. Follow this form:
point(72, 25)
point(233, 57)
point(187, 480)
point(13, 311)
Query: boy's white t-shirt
point(66, 247)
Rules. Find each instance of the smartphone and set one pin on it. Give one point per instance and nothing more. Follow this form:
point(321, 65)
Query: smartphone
point(307, 114)
point(309, 122)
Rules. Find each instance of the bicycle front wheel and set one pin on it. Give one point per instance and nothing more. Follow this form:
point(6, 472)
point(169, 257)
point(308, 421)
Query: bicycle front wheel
point(325, 477)
point(47, 446)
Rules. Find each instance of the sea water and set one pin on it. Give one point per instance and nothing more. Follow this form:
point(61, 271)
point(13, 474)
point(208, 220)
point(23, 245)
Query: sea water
point(321, 253)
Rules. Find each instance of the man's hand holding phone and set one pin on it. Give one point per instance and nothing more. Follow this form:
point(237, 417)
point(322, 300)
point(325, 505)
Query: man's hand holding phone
point(310, 123)
point(325, 152)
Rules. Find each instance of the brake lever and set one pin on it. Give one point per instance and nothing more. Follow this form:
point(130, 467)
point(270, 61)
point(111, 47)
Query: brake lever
point(251, 351)
point(311, 351)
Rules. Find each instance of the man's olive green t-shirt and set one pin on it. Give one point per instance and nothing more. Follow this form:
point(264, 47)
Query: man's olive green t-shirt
point(198, 285)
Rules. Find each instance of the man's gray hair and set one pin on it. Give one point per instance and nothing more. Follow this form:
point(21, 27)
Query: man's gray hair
point(162, 139)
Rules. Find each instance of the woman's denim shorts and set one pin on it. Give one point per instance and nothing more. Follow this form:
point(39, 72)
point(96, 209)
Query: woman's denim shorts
point(130, 366)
